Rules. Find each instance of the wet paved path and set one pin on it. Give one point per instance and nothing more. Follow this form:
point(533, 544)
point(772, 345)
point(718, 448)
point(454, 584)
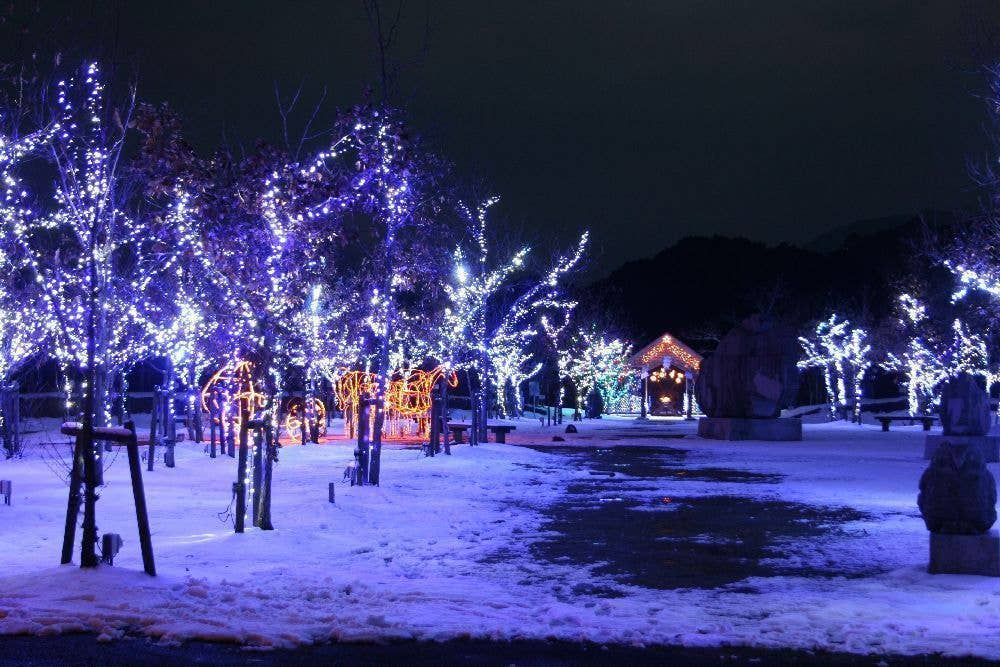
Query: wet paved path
point(631, 514)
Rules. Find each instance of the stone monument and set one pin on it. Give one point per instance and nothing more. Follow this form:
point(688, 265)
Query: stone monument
point(957, 500)
point(744, 385)
point(965, 419)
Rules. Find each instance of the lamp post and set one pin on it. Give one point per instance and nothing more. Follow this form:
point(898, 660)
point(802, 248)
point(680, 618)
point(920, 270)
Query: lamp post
point(689, 392)
point(645, 394)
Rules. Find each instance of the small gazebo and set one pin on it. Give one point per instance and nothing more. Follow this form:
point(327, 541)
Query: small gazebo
point(669, 369)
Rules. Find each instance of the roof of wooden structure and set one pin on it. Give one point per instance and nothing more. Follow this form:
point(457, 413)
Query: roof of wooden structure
point(666, 345)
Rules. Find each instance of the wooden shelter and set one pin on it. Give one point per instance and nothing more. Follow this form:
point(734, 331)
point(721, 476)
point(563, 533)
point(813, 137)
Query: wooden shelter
point(669, 369)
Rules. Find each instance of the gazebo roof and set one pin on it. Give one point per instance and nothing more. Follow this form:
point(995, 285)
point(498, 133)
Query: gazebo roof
point(666, 345)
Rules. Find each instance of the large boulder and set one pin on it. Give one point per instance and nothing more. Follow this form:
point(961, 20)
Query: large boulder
point(958, 494)
point(965, 407)
point(752, 373)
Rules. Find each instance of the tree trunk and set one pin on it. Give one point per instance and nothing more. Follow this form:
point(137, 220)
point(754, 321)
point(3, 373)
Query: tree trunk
point(88, 546)
point(240, 486)
point(258, 469)
point(154, 427)
point(270, 456)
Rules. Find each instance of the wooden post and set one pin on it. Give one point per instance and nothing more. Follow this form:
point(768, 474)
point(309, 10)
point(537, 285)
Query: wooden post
point(139, 496)
point(73, 506)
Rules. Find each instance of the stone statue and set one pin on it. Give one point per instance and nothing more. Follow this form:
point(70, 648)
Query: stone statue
point(965, 407)
point(752, 373)
point(958, 494)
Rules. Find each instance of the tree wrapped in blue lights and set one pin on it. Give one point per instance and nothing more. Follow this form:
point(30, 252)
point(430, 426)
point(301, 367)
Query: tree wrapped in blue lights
point(925, 361)
point(490, 320)
point(843, 354)
point(90, 261)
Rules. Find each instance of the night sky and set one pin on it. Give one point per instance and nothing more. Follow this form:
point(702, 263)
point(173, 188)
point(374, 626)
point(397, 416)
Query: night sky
point(644, 122)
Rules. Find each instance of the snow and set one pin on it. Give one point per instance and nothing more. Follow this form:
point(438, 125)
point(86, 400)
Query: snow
point(442, 550)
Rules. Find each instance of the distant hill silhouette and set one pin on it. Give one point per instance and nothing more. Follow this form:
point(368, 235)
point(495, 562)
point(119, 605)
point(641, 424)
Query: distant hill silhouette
point(834, 239)
point(700, 286)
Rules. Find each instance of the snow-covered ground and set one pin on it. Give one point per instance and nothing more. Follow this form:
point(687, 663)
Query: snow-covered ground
point(443, 549)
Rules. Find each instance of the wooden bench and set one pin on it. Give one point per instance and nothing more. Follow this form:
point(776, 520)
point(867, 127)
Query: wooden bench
point(926, 420)
point(499, 431)
point(457, 431)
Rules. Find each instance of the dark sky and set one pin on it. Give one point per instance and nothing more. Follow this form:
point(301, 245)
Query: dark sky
point(643, 121)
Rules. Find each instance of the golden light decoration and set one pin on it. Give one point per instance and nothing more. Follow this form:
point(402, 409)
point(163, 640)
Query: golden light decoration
point(662, 374)
point(408, 397)
point(231, 386)
point(294, 416)
point(669, 347)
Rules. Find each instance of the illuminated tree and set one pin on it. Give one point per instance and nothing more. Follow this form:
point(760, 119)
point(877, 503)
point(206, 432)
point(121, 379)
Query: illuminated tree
point(595, 360)
point(490, 322)
point(926, 362)
point(22, 338)
point(843, 355)
point(556, 328)
point(91, 258)
point(919, 362)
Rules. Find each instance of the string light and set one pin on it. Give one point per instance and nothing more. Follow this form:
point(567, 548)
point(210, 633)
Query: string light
point(296, 414)
point(595, 361)
point(926, 363)
point(408, 398)
point(844, 356)
point(479, 332)
point(668, 346)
